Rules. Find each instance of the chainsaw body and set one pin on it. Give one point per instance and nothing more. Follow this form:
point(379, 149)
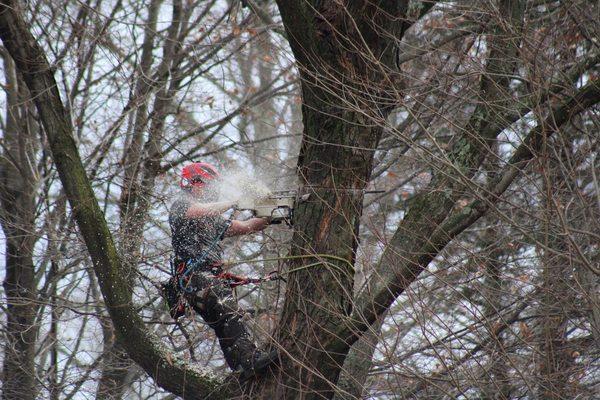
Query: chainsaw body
point(277, 206)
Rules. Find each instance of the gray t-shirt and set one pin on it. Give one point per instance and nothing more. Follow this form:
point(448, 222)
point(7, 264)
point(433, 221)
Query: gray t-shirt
point(192, 237)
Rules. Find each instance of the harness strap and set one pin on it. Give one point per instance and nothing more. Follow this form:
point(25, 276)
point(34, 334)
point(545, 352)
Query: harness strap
point(178, 302)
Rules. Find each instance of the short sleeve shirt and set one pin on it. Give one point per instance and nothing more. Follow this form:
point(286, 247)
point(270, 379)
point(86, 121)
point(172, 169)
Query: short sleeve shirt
point(196, 237)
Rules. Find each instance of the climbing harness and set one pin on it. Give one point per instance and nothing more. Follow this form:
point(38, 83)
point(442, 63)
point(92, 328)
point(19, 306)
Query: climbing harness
point(176, 296)
point(176, 288)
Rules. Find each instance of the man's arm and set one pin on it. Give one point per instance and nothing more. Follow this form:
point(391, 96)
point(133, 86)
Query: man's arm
point(199, 210)
point(245, 227)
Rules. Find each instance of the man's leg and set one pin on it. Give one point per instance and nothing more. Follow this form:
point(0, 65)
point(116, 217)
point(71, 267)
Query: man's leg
point(217, 306)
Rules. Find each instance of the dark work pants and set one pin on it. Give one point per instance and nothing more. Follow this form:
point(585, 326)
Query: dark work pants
point(215, 303)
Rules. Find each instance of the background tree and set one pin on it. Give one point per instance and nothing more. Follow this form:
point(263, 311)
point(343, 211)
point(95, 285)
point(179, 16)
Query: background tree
point(19, 176)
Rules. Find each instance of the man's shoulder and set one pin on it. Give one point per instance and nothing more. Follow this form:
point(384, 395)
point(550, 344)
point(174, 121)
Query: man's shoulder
point(179, 206)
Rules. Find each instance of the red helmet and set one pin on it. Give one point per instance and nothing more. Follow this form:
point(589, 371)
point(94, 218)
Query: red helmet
point(197, 174)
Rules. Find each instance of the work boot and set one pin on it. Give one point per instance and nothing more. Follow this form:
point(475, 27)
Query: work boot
point(261, 362)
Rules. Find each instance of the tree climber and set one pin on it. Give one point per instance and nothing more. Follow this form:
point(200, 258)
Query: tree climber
point(197, 227)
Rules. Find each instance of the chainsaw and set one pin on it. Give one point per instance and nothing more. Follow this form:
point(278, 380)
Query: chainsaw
point(278, 206)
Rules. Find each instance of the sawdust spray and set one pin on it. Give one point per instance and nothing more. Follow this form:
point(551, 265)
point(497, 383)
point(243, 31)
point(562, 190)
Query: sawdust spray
point(236, 185)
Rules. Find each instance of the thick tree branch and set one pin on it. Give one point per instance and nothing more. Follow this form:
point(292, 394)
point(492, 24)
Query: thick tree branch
point(409, 266)
point(429, 210)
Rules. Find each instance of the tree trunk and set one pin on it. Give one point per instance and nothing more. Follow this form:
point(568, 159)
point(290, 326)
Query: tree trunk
point(319, 291)
point(555, 362)
point(19, 375)
point(497, 385)
point(17, 216)
point(341, 55)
